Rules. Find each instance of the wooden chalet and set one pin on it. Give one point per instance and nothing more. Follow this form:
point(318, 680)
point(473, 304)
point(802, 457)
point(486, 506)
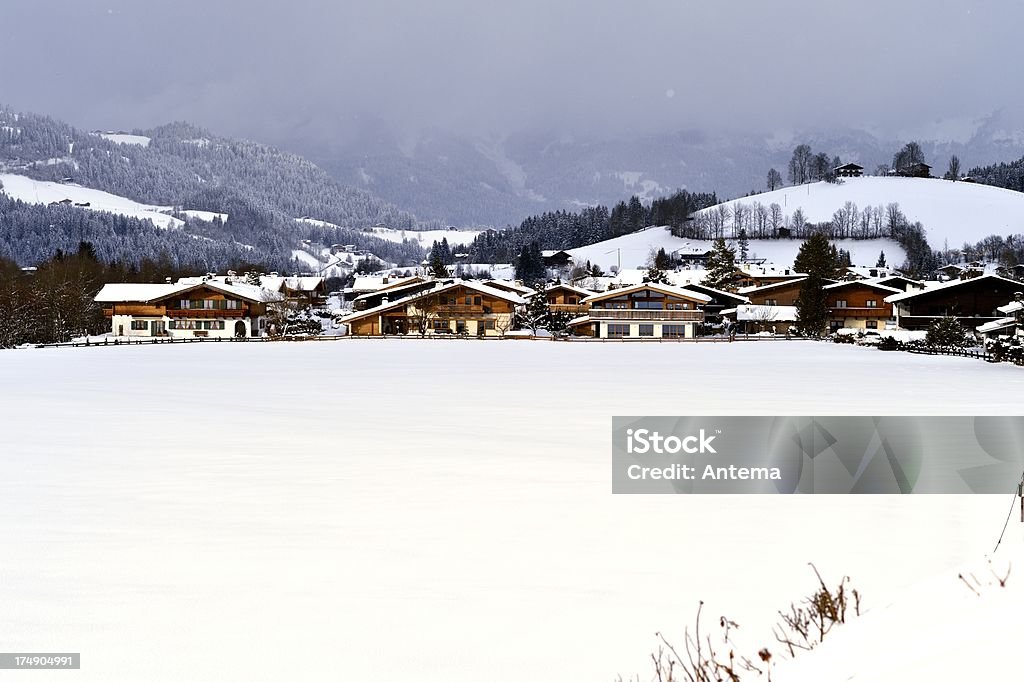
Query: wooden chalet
point(185, 310)
point(859, 304)
point(448, 307)
point(849, 170)
point(511, 287)
point(643, 311)
point(916, 170)
point(974, 301)
point(750, 275)
point(556, 259)
point(566, 298)
point(778, 294)
point(1012, 324)
point(306, 290)
point(720, 300)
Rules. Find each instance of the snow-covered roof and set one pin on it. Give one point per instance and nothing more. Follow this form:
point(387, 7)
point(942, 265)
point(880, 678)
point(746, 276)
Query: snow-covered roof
point(440, 286)
point(144, 293)
point(766, 287)
point(123, 292)
point(509, 284)
point(763, 313)
point(662, 288)
point(304, 283)
point(1014, 307)
point(996, 325)
point(569, 287)
point(365, 284)
point(864, 283)
point(720, 292)
point(903, 296)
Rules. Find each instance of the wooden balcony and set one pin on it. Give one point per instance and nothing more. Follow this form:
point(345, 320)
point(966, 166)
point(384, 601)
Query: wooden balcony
point(197, 313)
point(574, 309)
point(634, 314)
point(876, 312)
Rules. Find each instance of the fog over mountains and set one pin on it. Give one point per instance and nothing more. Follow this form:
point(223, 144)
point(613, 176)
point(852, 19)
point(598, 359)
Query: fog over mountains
point(464, 179)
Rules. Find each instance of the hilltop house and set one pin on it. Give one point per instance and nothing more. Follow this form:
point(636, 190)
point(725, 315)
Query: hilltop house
point(973, 301)
point(556, 259)
point(849, 170)
point(642, 311)
point(185, 310)
point(448, 307)
point(859, 304)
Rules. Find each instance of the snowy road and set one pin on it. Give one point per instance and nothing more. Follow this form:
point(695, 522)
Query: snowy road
point(411, 510)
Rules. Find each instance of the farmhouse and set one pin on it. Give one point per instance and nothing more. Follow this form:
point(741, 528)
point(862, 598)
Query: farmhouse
point(448, 307)
point(185, 310)
point(849, 170)
point(973, 301)
point(643, 311)
point(556, 259)
point(859, 304)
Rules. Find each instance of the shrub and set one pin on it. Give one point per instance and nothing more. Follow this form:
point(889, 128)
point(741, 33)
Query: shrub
point(947, 332)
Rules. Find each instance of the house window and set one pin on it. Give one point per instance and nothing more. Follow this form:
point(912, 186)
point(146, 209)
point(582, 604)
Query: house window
point(140, 325)
point(469, 300)
point(618, 330)
point(649, 305)
point(478, 300)
point(840, 304)
point(488, 324)
point(646, 330)
point(771, 301)
point(872, 303)
point(574, 300)
point(673, 331)
point(441, 324)
point(872, 324)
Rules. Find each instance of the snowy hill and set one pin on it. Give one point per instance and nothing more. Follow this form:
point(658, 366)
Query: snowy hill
point(42, 192)
point(633, 250)
point(950, 211)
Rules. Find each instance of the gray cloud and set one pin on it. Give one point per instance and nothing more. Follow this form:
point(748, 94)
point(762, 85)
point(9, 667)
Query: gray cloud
point(265, 68)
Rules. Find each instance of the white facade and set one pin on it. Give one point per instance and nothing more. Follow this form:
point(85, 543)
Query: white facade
point(181, 328)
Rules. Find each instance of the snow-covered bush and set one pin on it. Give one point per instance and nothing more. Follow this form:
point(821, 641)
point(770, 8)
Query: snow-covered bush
point(947, 332)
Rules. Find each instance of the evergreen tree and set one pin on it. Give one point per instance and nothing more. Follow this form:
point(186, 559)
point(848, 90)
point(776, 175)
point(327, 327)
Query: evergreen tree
point(818, 259)
point(437, 266)
point(880, 263)
point(530, 264)
point(656, 275)
point(537, 311)
point(721, 267)
point(947, 332)
point(744, 244)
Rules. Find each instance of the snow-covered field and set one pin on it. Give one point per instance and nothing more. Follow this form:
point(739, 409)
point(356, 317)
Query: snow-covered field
point(634, 250)
point(953, 211)
point(126, 138)
point(42, 192)
point(430, 510)
point(426, 237)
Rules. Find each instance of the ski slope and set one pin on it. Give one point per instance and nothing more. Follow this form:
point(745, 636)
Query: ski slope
point(125, 138)
point(950, 211)
point(340, 527)
point(43, 192)
point(634, 250)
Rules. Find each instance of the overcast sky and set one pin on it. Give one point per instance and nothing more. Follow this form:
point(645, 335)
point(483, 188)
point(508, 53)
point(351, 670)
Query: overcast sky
point(255, 67)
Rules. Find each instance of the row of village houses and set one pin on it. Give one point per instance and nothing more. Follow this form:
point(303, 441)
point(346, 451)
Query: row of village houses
point(228, 306)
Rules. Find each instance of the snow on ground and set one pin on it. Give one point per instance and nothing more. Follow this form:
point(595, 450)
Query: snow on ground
point(426, 237)
point(940, 629)
point(634, 250)
point(307, 259)
point(124, 138)
point(430, 510)
point(208, 216)
point(43, 192)
point(953, 211)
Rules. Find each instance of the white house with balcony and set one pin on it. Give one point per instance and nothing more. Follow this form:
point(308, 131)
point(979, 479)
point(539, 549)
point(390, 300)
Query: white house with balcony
point(642, 311)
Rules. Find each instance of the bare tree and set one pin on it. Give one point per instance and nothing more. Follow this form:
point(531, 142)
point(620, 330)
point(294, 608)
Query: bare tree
point(774, 180)
point(953, 172)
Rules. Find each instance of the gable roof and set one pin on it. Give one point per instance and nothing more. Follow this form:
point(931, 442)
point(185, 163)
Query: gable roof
point(148, 293)
point(719, 292)
point(765, 287)
point(442, 286)
point(863, 283)
point(508, 285)
point(662, 288)
point(903, 296)
point(569, 287)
